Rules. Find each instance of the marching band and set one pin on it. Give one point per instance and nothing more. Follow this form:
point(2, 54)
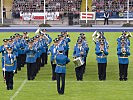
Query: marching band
point(19, 50)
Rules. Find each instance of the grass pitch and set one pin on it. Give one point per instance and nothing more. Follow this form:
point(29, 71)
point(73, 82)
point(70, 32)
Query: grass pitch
point(42, 88)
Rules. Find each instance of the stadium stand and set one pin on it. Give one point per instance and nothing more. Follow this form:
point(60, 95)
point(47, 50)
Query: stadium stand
point(51, 6)
point(115, 7)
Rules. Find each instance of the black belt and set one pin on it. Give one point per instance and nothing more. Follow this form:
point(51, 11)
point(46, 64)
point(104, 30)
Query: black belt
point(60, 65)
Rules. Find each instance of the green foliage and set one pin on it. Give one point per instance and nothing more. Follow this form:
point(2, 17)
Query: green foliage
point(44, 25)
point(4, 25)
point(86, 25)
point(127, 25)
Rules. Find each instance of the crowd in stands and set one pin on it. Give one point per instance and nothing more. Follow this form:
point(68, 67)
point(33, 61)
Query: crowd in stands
point(116, 8)
point(112, 5)
point(51, 6)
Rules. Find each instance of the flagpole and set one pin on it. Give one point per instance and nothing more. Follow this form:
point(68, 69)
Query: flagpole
point(44, 13)
point(86, 10)
point(128, 11)
point(2, 20)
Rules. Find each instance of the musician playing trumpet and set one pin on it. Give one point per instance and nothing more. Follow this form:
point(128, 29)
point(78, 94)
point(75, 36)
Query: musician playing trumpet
point(53, 51)
point(123, 52)
point(102, 52)
point(79, 51)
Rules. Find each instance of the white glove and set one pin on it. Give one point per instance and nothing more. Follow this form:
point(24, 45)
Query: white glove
point(3, 69)
point(13, 71)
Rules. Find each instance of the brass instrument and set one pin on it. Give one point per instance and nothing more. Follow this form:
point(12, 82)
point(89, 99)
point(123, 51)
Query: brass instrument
point(45, 36)
point(95, 36)
point(123, 50)
point(37, 31)
point(129, 35)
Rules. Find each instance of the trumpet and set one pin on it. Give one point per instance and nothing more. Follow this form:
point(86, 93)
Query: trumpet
point(129, 35)
point(95, 36)
point(123, 50)
point(30, 46)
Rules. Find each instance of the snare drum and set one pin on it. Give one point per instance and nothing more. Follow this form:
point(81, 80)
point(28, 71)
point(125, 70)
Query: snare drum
point(78, 62)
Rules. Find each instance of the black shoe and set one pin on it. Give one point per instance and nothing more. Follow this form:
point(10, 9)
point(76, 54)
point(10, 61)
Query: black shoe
point(100, 79)
point(121, 79)
point(53, 79)
point(61, 93)
point(125, 79)
point(15, 72)
point(11, 88)
point(42, 65)
point(104, 79)
point(19, 69)
point(7, 88)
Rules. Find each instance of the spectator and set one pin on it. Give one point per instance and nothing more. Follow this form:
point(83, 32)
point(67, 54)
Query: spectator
point(4, 12)
point(106, 17)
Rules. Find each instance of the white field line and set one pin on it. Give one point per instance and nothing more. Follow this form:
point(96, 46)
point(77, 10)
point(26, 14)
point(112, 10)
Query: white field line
point(19, 89)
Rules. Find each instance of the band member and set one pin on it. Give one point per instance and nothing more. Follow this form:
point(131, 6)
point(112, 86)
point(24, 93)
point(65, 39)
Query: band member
point(4, 52)
point(43, 49)
point(9, 67)
point(25, 34)
point(30, 51)
point(38, 46)
point(101, 52)
point(15, 50)
point(16, 44)
point(79, 51)
point(61, 61)
point(85, 45)
point(125, 37)
point(23, 44)
point(62, 43)
point(53, 51)
point(48, 40)
point(123, 53)
point(67, 40)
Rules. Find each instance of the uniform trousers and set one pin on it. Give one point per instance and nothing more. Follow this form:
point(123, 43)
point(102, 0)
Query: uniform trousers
point(106, 21)
point(31, 71)
point(46, 56)
point(9, 79)
point(18, 62)
point(79, 72)
point(102, 71)
point(84, 67)
point(42, 59)
point(53, 71)
point(60, 77)
point(123, 68)
point(23, 58)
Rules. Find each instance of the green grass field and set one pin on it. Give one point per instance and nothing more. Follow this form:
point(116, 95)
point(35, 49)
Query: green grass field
point(42, 88)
